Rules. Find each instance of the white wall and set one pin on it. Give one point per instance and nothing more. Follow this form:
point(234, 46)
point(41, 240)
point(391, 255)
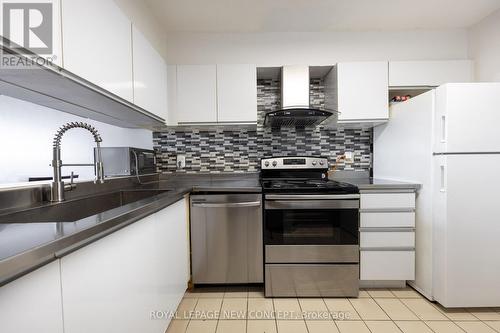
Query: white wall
point(484, 48)
point(26, 133)
point(315, 48)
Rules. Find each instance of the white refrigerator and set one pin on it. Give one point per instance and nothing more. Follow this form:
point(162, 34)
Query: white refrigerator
point(448, 139)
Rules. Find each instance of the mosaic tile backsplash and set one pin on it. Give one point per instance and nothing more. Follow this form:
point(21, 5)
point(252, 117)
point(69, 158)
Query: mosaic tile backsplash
point(227, 149)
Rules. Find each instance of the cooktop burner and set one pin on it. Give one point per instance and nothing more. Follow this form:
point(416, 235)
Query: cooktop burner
point(308, 185)
point(300, 175)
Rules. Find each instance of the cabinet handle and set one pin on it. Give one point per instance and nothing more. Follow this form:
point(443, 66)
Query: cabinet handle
point(393, 249)
point(387, 210)
point(375, 229)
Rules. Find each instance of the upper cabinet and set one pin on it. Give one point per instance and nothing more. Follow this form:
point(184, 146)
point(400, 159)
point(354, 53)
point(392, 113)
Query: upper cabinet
point(196, 94)
point(429, 73)
point(237, 93)
point(150, 76)
point(212, 94)
point(97, 44)
point(360, 93)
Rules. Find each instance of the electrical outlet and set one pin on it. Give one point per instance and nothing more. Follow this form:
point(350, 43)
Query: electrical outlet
point(181, 161)
point(349, 156)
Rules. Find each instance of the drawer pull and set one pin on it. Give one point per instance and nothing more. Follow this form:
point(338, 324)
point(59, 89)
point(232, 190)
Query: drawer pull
point(387, 210)
point(395, 249)
point(375, 229)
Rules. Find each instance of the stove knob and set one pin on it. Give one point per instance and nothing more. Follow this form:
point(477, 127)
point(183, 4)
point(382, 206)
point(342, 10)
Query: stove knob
point(321, 162)
point(266, 164)
point(275, 163)
point(314, 163)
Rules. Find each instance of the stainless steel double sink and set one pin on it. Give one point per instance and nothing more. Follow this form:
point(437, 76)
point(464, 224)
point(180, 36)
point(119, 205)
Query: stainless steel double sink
point(77, 209)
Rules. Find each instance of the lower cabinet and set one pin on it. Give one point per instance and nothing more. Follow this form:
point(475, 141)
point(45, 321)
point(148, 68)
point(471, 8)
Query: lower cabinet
point(114, 284)
point(387, 236)
point(33, 303)
point(387, 265)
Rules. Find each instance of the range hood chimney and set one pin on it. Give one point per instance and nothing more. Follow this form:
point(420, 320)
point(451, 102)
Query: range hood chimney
point(295, 105)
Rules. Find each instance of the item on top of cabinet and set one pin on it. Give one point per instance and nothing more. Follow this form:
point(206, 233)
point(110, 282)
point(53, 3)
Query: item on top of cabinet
point(398, 99)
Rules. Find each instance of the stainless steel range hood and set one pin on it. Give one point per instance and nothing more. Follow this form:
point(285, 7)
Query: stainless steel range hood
point(54, 87)
point(296, 110)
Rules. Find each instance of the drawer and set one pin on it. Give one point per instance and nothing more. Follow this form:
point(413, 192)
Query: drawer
point(387, 220)
point(312, 254)
point(387, 265)
point(387, 239)
point(312, 280)
point(387, 200)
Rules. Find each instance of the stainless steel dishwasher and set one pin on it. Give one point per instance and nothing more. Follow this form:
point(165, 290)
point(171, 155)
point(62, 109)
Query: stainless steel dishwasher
point(226, 238)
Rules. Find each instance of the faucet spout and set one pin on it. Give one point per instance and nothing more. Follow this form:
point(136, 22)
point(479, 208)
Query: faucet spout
point(58, 187)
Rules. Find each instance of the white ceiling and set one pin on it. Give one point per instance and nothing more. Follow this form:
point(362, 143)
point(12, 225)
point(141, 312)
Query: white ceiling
point(318, 15)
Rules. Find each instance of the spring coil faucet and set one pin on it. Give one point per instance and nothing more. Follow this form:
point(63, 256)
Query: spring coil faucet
point(58, 187)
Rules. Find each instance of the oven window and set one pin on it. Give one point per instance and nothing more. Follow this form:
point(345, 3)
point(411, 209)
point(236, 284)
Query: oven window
point(311, 227)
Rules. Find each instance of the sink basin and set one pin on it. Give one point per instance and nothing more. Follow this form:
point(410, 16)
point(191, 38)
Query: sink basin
point(74, 210)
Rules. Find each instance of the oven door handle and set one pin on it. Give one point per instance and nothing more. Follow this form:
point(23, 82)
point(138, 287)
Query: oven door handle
point(311, 204)
point(311, 196)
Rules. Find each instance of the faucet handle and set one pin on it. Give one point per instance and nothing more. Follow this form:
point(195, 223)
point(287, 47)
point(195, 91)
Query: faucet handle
point(71, 185)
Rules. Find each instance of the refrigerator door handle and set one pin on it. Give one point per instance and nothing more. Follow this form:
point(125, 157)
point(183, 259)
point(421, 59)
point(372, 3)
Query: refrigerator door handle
point(443, 129)
point(443, 179)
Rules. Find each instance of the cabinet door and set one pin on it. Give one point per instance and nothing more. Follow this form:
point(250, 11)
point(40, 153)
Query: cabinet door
point(196, 94)
point(171, 255)
point(237, 93)
point(127, 275)
point(97, 44)
point(172, 95)
point(363, 93)
point(32, 303)
point(429, 73)
point(150, 76)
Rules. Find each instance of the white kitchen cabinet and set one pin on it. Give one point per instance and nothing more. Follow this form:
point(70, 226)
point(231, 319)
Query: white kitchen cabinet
point(97, 44)
point(362, 92)
point(236, 93)
point(387, 201)
point(150, 76)
point(387, 239)
point(387, 236)
point(114, 284)
point(33, 303)
point(387, 219)
point(196, 94)
point(429, 73)
point(172, 95)
point(387, 265)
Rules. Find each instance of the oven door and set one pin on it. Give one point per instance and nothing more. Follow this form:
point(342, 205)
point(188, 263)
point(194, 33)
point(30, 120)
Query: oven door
point(311, 219)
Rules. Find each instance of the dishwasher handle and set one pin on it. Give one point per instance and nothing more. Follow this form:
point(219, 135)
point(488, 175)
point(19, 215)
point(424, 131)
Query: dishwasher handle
point(226, 204)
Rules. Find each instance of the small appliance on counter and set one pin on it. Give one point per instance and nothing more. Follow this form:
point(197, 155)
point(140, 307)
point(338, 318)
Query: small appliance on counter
point(311, 230)
point(127, 161)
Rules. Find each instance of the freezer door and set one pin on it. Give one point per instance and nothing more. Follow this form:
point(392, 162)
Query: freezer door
point(466, 231)
point(467, 117)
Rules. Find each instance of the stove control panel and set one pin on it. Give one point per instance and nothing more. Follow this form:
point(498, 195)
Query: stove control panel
point(284, 163)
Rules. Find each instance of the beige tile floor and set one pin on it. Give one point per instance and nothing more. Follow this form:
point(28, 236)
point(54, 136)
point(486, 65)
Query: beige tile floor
point(245, 310)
